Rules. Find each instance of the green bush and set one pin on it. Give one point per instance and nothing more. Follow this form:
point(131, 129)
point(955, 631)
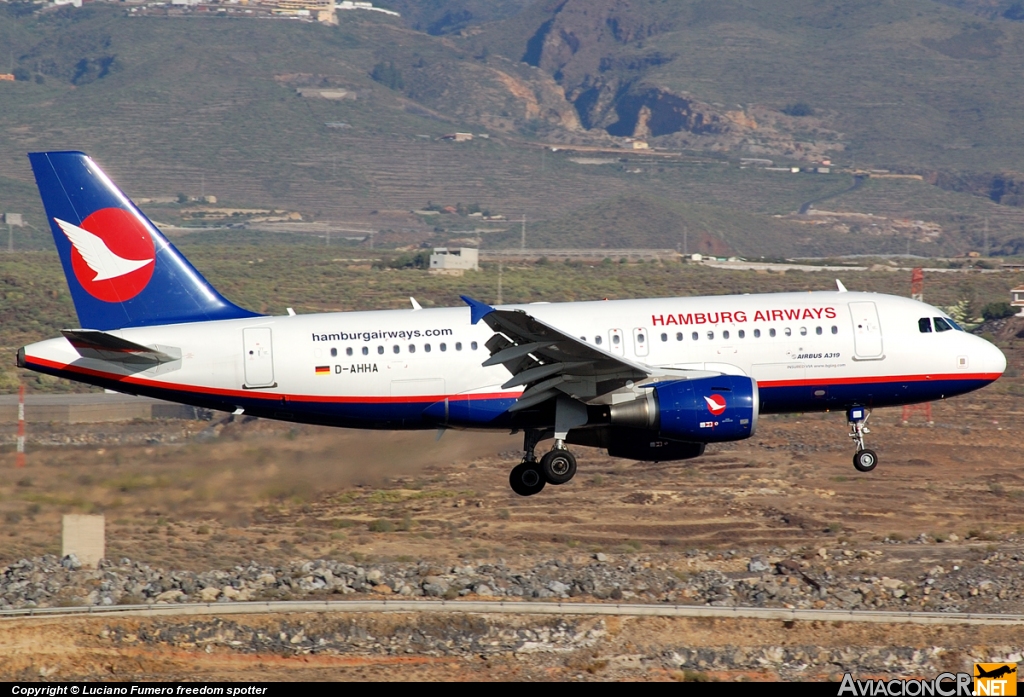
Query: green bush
point(381, 525)
point(997, 310)
point(798, 109)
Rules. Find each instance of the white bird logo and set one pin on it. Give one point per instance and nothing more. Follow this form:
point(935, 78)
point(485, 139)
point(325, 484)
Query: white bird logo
point(713, 405)
point(97, 254)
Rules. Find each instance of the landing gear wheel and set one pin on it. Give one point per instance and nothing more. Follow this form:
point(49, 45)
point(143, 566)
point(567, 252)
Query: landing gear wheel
point(865, 460)
point(558, 466)
point(526, 479)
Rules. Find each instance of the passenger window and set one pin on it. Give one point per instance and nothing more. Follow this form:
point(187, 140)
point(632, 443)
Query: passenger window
point(788, 331)
point(941, 325)
point(397, 349)
point(803, 331)
point(771, 332)
point(597, 340)
point(664, 337)
point(835, 329)
point(412, 348)
point(366, 350)
point(458, 345)
point(711, 335)
point(334, 352)
point(426, 347)
point(742, 334)
point(639, 338)
point(348, 351)
point(817, 330)
point(444, 347)
point(472, 345)
point(679, 336)
point(725, 334)
point(757, 333)
point(924, 325)
point(695, 336)
point(380, 350)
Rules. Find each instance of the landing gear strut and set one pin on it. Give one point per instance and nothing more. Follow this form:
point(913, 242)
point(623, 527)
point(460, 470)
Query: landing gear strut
point(864, 460)
point(556, 467)
point(527, 478)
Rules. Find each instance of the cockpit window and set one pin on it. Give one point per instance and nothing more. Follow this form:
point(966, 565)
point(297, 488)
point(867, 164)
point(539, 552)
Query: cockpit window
point(941, 325)
point(953, 324)
point(925, 325)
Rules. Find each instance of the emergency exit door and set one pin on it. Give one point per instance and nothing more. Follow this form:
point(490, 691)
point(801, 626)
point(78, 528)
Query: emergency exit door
point(259, 357)
point(867, 331)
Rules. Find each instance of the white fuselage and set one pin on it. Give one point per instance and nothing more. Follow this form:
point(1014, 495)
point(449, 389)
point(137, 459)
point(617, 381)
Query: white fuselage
point(807, 351)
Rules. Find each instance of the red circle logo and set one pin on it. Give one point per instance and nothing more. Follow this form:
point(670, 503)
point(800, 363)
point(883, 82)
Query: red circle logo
point(112, 254)
point(716, 404)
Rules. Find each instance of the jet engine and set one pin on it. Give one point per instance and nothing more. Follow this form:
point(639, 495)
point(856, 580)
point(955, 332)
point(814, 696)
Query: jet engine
point(704, 410)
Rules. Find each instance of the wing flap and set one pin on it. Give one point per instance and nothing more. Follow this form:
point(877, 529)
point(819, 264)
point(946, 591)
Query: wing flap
point(548, 361)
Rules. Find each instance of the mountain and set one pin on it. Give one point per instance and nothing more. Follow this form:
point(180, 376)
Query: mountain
point(343, 124)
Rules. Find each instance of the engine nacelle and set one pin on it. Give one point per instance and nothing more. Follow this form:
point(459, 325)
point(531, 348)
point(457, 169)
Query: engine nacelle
point(705, 410)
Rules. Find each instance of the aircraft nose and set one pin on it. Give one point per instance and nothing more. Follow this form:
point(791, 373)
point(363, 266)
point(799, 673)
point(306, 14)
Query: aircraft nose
point(993, 360)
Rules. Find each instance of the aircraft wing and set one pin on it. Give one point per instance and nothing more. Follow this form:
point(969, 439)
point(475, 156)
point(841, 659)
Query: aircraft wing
point(549, 362)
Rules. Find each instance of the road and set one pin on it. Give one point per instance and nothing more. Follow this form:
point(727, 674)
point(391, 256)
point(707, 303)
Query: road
point(517, 608)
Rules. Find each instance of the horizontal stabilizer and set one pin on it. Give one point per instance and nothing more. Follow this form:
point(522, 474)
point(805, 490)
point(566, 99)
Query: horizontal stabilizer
point(106, 347)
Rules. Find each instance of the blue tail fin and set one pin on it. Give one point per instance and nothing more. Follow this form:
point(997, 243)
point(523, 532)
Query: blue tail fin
point(121, 270)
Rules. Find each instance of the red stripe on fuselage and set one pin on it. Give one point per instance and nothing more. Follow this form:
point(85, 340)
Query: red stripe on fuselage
point(991, 377)
point(430, 399)
point(257, 394)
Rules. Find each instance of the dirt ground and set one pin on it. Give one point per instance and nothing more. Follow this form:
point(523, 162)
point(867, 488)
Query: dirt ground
point(276, 492)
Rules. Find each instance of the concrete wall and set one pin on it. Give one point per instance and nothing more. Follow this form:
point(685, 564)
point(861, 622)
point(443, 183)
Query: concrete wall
point(91, 408)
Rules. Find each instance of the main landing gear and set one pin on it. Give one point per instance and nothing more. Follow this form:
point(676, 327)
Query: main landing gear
point(864, 460)
point(558, 466)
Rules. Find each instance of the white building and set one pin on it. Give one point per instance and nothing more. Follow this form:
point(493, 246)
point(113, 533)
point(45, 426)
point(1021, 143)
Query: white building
point(1017, 298)
point(454, 261)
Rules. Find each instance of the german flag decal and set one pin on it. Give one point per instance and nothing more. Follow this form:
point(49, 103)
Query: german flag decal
point(323, 370)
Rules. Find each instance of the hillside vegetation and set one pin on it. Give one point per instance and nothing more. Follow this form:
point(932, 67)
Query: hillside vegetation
point(234, 107)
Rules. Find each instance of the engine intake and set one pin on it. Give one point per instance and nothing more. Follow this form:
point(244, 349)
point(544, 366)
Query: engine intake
point(705, 410)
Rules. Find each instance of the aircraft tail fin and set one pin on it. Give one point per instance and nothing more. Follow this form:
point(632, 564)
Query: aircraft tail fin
point(121, 270)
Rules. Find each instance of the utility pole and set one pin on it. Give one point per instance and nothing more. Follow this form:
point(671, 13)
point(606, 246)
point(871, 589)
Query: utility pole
point(984, 249)
point(522, 237)
point(13, 220)
point(686, 250)
point(202, 188)
point(500, 270)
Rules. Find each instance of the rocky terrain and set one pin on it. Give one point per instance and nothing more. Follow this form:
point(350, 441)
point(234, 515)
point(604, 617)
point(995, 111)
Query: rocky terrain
point(838, 578)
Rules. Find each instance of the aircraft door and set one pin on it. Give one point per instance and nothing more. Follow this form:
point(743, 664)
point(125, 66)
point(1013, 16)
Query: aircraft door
point(615, 344)
point(259, 357)
point(641, 339)
point(867, 331)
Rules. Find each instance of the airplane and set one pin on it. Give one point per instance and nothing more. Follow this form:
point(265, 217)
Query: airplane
point(647, 379)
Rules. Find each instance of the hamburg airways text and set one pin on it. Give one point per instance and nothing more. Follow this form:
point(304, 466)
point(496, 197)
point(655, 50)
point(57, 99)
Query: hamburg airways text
point(381, 334)
point(741, 316)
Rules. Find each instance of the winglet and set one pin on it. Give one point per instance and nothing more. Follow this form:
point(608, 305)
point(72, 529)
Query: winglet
point(477, 309)
point(840, 286)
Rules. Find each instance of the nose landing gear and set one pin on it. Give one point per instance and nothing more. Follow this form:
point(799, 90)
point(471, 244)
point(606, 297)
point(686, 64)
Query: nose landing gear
point(864, 460)
point(556, 467)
